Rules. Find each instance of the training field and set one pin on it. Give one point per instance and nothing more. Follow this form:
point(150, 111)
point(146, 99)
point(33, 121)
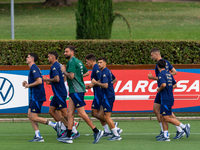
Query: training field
point(137, 135)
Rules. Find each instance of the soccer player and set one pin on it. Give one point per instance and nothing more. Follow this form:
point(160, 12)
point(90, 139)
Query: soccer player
point(166, 83)
point(37, 97)
point(96, 108)
point(106, 83)
point(156, 56)
point(75, 71)
point(60, 94)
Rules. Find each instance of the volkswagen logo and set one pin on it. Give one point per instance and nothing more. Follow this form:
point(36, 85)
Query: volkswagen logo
point(6, 91)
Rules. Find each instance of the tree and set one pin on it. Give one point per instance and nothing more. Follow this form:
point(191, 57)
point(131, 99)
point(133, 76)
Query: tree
point(95, 19)
point(57, 3)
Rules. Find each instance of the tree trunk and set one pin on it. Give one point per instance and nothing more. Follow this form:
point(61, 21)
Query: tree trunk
point(57, 3)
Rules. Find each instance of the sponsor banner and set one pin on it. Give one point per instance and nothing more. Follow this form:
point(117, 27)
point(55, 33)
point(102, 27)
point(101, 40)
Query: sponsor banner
point(134, 91)
point(12, 94)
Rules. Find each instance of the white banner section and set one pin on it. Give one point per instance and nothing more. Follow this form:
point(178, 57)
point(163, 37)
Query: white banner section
point(12, 93)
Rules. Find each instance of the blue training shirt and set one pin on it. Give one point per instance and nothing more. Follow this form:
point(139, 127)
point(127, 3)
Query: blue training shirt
point(58, 88)
point(166, 94)
point(168, 67)
point(96, 74)
point(37, 93)
point(107, 77)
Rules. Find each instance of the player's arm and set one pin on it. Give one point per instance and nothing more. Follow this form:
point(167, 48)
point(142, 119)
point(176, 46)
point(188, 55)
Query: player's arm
point(86, 74)
point(173, 71)
point(37, 82)
point(69, 75)
point(174, 86)
point(115, 80)
point(54, 79)
point(102, 85)
point(150, 76)
point(162, 86)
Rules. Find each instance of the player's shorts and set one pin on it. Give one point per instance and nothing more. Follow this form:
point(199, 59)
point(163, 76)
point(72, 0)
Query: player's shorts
point(107, 104)
point(59, 102)
point(165, 110)
point(157, 99)
point(78, 99)
point(35, 106)
point(96, 103)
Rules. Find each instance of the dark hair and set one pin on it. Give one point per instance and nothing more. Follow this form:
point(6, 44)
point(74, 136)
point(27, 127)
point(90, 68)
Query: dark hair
point(34, 55)
point(161, 63)
point(91, 57)
point(54, 53)
point(72, 48)
point(102, 58)
point(155, 50)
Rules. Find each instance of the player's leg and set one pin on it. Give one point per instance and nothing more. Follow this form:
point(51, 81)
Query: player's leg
point(179, 132)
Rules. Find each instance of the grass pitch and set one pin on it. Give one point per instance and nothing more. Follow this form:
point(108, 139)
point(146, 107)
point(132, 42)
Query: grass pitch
point(148, 20)
point(137, 135)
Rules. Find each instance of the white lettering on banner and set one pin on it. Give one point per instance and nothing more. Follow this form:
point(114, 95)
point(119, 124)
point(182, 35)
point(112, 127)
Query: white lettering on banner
point(88, 82)
point(179, 85)
point(194, 86)
point(117, 85)
point(151, 87)
point(141, 85)
point(127, 86)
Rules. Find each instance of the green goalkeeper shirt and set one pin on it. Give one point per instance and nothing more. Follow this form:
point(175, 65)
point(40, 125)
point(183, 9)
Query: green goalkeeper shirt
point(76, 85)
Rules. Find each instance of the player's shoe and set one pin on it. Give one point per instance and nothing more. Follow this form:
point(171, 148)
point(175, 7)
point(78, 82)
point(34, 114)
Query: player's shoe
point(63, 134)
point(58, 128)
point(163, 139)
point(116, 124)
point(65, 140)
point(187, 130)
point(37, 139)
point(76, 124)
point(119, 131)
point(115, 138)
point(74, 136)
point(97, 136)
point(179, 135)
point(106, 134)
point(160, 135)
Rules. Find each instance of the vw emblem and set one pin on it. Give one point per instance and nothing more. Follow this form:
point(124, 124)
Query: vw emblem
point(6, 91)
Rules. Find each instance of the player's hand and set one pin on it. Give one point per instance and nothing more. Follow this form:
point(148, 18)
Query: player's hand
point(150, 76)
point(158, 89)
point(44, 78)
point(63, 69)
point(23, 83)
point(87, 87)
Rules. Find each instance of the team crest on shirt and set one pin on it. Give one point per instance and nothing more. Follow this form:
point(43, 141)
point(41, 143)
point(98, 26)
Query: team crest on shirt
point(97, 71)
point(104, 75)
point(54, 68)
point(34, 71)
point(159, 77)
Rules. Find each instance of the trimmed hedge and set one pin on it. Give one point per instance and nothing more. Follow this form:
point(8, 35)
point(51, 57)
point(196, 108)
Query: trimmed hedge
point(116, 51)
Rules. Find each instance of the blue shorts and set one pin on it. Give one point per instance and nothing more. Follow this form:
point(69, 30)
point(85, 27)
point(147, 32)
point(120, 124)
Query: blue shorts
point(157, 99)
point(96, 103)
point(165, 110)
point(59, 102)
point(78, 99)
point(108, 104)
point(35, 106)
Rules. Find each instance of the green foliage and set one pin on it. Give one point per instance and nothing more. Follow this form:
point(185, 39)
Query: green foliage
point(118, 52)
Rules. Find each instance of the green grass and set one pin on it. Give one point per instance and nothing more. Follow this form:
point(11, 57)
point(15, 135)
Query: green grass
point(148, 20)
point(137, 135)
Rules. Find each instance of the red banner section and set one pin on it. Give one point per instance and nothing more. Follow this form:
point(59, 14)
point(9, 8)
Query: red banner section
point(135, 92)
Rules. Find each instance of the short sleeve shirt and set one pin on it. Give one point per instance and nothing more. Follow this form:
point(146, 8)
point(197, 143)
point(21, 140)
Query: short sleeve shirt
point(58, 87)
point(107, 77)
point(166, 94)
point(76, 85)
point(37, 93)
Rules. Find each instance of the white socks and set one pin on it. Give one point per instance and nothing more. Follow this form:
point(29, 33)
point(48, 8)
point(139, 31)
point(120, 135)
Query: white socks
point(114, 131)
point(106, 129)
point(182, 126)
point(52, 124)
point(37, 133)
point(161, 126)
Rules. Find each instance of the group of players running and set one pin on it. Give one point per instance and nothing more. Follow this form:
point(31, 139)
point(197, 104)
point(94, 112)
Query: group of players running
point(102, 81)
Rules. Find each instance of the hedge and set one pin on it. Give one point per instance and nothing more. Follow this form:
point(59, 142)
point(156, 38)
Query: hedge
point(120, 52)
